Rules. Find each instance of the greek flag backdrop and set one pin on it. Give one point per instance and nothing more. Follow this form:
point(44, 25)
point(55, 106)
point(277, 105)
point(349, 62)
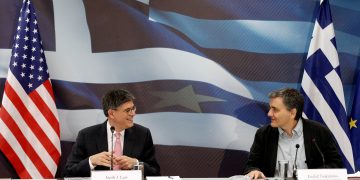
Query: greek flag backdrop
point(200, 70)
point(322, 86)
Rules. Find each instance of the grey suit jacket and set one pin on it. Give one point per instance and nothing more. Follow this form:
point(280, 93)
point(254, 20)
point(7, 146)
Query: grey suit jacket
point(92, 140)
point(263, 152)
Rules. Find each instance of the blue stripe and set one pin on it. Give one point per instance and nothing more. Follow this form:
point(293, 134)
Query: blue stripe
point(294, 10)
point(298, 10)
point(277, 10)
point(250, 35)
point(324, 18)
point(70, 95)
point(349, 5)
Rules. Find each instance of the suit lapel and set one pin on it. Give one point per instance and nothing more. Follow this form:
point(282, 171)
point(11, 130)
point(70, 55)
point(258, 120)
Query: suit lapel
point(308, 136)
point(273, 148)
point(129, 141)
point(101, 139)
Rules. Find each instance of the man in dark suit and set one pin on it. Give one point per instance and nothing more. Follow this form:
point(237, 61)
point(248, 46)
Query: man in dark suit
point(92, 150)
point(287, 135)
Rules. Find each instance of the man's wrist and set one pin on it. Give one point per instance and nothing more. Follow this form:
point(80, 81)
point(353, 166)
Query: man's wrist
point(92, 166)
point(136, 161)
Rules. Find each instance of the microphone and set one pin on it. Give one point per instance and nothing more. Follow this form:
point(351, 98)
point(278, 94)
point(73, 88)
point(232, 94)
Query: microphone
point(295, 166)
point(321, 154)
point(112, 129)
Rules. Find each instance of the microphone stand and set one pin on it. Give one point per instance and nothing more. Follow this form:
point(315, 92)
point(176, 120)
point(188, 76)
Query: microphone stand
point(295, 166)
point(321, 154)
point(112, 129)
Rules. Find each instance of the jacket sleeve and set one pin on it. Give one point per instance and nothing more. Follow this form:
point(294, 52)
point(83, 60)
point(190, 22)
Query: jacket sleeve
point(151, 167)
point(326, 155)
point(77, 164)
point(256, 153)
point(330, 151)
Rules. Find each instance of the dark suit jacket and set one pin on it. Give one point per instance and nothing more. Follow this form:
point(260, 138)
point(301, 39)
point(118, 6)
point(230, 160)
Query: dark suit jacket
point(263, 152)
point(92, 140)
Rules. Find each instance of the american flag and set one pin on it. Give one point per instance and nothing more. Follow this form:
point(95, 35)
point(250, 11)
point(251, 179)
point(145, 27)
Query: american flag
point(322, 86)
point(30, 132)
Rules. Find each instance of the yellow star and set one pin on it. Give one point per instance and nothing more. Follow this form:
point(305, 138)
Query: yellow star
point(352, 123)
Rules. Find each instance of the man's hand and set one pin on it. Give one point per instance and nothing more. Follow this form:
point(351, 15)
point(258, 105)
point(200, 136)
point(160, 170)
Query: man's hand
point(101, 159)
point(125, 162)
point(255, 174)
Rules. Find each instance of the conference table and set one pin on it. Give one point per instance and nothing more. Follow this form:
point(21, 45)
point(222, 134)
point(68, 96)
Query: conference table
point(210, 178)
point(214, 178)
point(205, 178)
point(159, 178)
point(90, 179)
point(238, 177)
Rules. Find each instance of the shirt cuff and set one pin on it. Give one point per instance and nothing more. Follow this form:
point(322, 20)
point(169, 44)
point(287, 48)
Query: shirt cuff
point(92, 167)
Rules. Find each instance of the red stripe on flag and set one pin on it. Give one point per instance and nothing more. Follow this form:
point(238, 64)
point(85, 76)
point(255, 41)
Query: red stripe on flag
point(13, 158)
point(31, 122)
point(48, 87)
point(45, 111)
point(24, 143)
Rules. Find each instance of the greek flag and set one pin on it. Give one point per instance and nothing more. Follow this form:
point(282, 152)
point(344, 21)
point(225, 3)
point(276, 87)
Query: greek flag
point(322, 86)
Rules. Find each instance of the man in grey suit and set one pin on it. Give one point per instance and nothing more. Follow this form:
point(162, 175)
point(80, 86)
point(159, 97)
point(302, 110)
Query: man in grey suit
point(92, 150)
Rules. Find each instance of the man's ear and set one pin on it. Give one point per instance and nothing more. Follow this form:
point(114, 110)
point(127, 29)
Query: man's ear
point(110, 113)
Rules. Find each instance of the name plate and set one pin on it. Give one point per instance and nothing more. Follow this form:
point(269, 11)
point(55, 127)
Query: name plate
point(117, 175)
point(321, 174)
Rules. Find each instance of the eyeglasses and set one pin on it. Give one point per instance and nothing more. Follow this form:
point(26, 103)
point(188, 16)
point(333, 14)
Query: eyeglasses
point(127, 110)
point(131, 109)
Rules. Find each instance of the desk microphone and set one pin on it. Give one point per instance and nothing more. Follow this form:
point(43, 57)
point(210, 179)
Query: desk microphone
point(295, 166)
point(112, 129)
point(321, 154)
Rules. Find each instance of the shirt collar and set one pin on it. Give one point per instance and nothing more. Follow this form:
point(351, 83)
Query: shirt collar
point(109, 132)
point(297, 131)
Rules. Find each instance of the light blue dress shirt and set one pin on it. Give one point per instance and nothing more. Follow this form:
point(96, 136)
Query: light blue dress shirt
point(287, 148)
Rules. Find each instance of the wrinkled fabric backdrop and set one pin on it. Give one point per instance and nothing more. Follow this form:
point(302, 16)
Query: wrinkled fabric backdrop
point(200, 70)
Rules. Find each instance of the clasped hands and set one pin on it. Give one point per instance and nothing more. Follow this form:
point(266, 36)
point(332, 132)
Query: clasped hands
point(256, 174)
point(104, 159)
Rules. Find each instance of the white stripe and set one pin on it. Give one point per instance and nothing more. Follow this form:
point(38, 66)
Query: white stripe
point(322, 40)
point(328, 116)
point(335, 82)
point(131, 66)
point(144, 1)
point(29, 135)
point(34, 111)
point(5, 55)
point(314, 43)
point(170, 128)
point(328, 47)
point(202, 130)
point(30, 167)
point(48, 99)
